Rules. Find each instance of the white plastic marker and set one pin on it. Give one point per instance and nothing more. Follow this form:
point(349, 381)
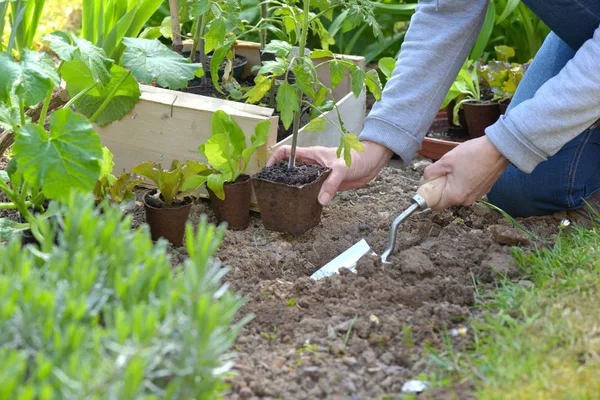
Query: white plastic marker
point(428, 195)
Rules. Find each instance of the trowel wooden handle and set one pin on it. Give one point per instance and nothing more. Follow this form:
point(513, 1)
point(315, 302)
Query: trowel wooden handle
point(432, 191)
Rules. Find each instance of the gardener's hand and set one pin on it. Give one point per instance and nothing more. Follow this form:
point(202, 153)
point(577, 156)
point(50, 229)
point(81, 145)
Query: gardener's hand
point(365, 166)
point(471, 168)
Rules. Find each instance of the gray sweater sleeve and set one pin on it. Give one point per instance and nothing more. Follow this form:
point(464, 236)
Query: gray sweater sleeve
point(436, 45)
point(561, 109)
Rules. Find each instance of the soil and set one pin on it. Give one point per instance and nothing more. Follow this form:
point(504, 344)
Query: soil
point(156, 203)
point(303, 174)
point(363, 335)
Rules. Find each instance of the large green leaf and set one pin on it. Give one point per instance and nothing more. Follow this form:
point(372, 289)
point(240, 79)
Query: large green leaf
point(337, 73)
point(357, 77)
point(79, 78)
point(287, 103)
point(374, 84)
point(215, 35)
point(69, 47)
point(66, 158)
point(150, 59)
point(348, 143)
point(279, 48)
point(387, 66)
point(30, 79)
point(261, 134)
point(9, 117)
point(198, 8)
point(316, 125)
point(223, 124)
point(304, 80)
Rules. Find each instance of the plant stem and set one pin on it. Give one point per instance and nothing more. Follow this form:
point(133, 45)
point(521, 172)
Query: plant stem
point(174, 8)
point(45, 108)
point(12, 206)
point(22, 112)
point(301, 51)
point(109, 98)
point(264, 10)
point(79, 95)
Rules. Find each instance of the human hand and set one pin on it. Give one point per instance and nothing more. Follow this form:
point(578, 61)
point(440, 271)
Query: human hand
point(471, 169)
point(365, 166)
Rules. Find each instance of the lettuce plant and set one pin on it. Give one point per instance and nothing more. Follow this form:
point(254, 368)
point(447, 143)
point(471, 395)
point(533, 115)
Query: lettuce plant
point(502, 76)
point(179, 181)
point(102, 315)
point(118, 190)
point(227, 153)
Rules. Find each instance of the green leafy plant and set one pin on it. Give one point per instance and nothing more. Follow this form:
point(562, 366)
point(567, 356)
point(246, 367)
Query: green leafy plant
point(24, 18)
point(118, 190)
point(102, 314)
point(212, 31)
point(502, 76)
point(465, 88)
point(106, 22)
point(175, 183)
point(227, 153)
point(307, 89)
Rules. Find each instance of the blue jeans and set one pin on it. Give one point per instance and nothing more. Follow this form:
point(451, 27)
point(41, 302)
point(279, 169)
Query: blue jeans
point(572, 175)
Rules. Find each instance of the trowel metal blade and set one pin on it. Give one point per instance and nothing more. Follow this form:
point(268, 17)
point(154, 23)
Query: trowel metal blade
point(347, 259)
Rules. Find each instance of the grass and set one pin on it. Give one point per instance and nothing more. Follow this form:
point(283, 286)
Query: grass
point(540, 341)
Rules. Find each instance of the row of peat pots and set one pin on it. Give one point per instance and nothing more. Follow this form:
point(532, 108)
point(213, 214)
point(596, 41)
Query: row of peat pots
point(287, 201)
point(474, 118)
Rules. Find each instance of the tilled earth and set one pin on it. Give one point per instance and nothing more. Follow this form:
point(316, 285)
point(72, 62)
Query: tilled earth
point(363, 335)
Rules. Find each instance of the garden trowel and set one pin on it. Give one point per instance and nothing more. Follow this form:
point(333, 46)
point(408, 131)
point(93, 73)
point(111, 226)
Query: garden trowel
point(428, 195)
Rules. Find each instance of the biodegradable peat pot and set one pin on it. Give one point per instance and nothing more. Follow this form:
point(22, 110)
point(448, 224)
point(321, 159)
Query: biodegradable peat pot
point(479, 116)
point(288, 208)
point(166, 222)
point(235, 208)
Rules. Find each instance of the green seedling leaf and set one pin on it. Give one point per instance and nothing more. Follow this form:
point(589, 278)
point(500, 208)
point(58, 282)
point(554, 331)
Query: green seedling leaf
point(387, 66)
point(69, 47)
point(357, 77)
point(276, 68)
point(261, 134)
point(262, 84)
point(321, 54)
point(287, 103)
point(304, 80)
point(336, 70)
point(79, 78)
point(122, 189)
point(107, 163)
point(215, 62)
point(279, 48)
point(150, 59)
point(215, 35)
point(316, 125)
point(67, 158)
point(9, 227)
point(348, 143)
point(9, 117)
point(504, 53)
point(198, 8)
point(30, 79)
point(374, 84)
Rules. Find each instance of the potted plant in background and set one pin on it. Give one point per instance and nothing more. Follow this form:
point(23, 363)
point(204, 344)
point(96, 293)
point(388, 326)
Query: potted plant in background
point(502, 76)
point(168, 206)
point(287, 191)
point(226, 152)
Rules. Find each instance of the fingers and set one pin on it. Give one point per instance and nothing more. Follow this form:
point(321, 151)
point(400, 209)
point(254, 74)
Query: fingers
point(282, 153)
point(331, 185)
point(308, 154)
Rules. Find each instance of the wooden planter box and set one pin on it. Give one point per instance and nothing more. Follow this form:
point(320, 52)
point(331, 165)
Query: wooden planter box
point(165, 125)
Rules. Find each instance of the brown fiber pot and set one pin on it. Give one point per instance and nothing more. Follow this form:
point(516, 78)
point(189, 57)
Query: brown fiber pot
point(235, 208)
point(289, 209)
point(502, 107)
point(168, 223)
point(479, 116)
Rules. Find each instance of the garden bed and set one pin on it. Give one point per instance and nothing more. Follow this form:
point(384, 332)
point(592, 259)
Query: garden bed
point(295, 346)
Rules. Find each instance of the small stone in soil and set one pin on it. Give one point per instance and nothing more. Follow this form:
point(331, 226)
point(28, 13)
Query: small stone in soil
point(303, 174)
